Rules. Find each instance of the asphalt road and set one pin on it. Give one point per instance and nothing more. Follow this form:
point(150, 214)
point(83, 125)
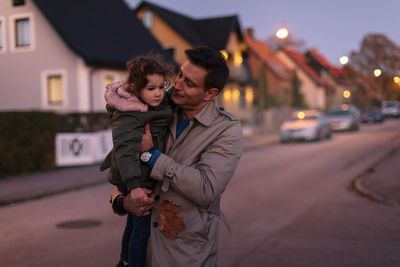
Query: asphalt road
point(288, 205)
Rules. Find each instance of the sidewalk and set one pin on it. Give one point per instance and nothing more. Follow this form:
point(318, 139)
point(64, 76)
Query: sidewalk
point(36, 185)
point(381, 182)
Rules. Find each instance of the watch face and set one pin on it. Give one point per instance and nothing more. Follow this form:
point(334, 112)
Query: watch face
point(145, 157)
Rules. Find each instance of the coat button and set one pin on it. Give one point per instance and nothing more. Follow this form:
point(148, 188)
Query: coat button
point(155, 225)
point(221, 109)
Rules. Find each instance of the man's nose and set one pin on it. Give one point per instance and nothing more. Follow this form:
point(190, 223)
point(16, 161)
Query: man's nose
point(178, 84)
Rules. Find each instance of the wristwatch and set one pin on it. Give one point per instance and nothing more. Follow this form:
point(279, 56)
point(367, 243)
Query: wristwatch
point(145, 156)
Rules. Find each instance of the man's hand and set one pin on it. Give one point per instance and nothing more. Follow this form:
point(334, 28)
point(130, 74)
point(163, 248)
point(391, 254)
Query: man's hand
point(138, 202)
point(147, 140)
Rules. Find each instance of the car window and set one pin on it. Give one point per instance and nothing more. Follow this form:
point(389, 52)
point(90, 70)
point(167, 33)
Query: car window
point(338, 112)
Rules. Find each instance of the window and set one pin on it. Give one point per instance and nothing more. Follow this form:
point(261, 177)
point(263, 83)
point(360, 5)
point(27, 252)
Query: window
point(54, 86)
point(148, 19)
point(1, 34)
point(18, 2)
point(21, 32)
point(108, 79)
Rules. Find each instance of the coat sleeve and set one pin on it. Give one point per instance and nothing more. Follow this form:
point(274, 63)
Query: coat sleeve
point(206, 181)
point(127, 134)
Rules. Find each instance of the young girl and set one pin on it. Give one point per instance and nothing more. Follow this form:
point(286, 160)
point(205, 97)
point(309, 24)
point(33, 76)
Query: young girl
point(147, 81)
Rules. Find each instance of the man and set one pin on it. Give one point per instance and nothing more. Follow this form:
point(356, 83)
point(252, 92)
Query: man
point(202, 152)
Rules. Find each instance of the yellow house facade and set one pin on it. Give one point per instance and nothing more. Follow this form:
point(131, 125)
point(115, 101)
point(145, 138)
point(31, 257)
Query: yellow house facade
point(178, 32)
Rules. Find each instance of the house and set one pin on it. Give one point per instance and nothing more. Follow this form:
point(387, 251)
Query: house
point(312, 87)
point(178, 32)
point(59, 55)
point(264, 64)
point(331, 75)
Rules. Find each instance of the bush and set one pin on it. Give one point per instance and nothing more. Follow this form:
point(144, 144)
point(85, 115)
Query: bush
point(27, 141)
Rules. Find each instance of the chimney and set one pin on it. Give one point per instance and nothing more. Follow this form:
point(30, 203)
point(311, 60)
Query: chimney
point(250, 32)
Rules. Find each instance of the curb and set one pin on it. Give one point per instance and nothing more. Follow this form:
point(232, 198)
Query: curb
point(357, 184)
point(6, 202)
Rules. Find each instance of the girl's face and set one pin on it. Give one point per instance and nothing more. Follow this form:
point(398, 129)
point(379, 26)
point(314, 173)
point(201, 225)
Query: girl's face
point(153, 93)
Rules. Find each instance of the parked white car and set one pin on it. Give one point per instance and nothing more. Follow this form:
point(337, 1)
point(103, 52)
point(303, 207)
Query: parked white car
point(344, 118)
point(390, 108)
point(305, 125)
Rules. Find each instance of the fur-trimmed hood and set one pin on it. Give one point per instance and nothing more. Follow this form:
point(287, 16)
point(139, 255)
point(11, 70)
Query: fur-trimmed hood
point(118, 98)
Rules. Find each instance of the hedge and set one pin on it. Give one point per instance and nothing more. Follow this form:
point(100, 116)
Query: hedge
point(27, 138)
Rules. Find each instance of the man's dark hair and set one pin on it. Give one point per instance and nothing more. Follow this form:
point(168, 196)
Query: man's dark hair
point(213, 62)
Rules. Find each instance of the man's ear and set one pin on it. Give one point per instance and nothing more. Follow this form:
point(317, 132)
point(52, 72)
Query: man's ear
point(211, 94)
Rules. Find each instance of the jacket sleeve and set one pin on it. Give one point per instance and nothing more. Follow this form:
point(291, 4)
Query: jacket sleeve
point(206, 181)
point(127, 134)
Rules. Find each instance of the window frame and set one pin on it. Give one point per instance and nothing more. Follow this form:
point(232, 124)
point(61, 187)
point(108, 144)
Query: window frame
point(148, 19)
point(13, 28)
point(46, 90)
point(3, 47)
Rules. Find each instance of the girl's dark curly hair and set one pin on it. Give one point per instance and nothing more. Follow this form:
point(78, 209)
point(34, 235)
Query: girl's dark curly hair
point(141, 66)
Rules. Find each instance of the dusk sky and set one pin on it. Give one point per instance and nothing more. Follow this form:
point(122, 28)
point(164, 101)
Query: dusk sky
point(335, 27)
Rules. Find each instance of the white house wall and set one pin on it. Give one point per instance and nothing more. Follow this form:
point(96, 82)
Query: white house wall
point(98, 80)
point(313, 94)
point(23, 73)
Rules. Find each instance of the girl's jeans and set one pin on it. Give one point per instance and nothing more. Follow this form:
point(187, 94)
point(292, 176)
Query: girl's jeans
point(134, 240)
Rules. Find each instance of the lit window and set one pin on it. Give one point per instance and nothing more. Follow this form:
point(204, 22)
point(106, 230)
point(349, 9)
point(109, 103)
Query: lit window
point(148, 19)
point(22, 32)
point(54, 90)
point(108, 79)
point(54, 84)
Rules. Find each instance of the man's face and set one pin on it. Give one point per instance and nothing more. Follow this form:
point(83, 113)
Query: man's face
point(189, 93)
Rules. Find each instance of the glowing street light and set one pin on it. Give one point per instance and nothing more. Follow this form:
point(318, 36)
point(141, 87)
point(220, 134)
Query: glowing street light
point(225, 54)
point(282, 33)
point(396, 79)
point(346, 94)
point(343, 60)
point(377, 72)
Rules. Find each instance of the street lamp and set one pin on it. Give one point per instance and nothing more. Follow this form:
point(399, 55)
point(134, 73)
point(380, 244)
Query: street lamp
point(346, 94)
point(343, 60)
point(282, 33)
point(377, 72)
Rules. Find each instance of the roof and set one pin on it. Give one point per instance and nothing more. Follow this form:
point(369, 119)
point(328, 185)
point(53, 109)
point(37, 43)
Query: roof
point(197, 31)
point(301, 61)
point(104, 33)
point(315, 56)
point(267, 56)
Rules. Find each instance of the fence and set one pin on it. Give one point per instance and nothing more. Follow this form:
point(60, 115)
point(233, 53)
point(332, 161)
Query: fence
point(82, 148)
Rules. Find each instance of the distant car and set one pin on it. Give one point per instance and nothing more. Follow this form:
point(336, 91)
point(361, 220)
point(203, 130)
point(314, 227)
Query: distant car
point(372, 115)
point(305, 125)
point(344, 118)
point(390, 108)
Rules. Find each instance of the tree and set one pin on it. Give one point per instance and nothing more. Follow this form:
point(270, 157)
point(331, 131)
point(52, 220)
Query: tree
point(297, 97)
point(378, 52)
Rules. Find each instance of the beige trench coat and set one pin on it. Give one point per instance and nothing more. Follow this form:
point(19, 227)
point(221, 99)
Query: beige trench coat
point(193, 174)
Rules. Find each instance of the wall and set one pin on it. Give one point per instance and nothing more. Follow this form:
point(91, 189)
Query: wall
point(167, 36)
point(21, 72)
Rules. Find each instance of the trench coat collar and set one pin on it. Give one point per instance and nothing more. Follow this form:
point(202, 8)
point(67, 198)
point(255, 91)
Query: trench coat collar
point(207, 114)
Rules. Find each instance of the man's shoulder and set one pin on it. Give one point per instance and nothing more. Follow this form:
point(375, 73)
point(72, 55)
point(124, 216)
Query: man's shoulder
point(223, 112)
